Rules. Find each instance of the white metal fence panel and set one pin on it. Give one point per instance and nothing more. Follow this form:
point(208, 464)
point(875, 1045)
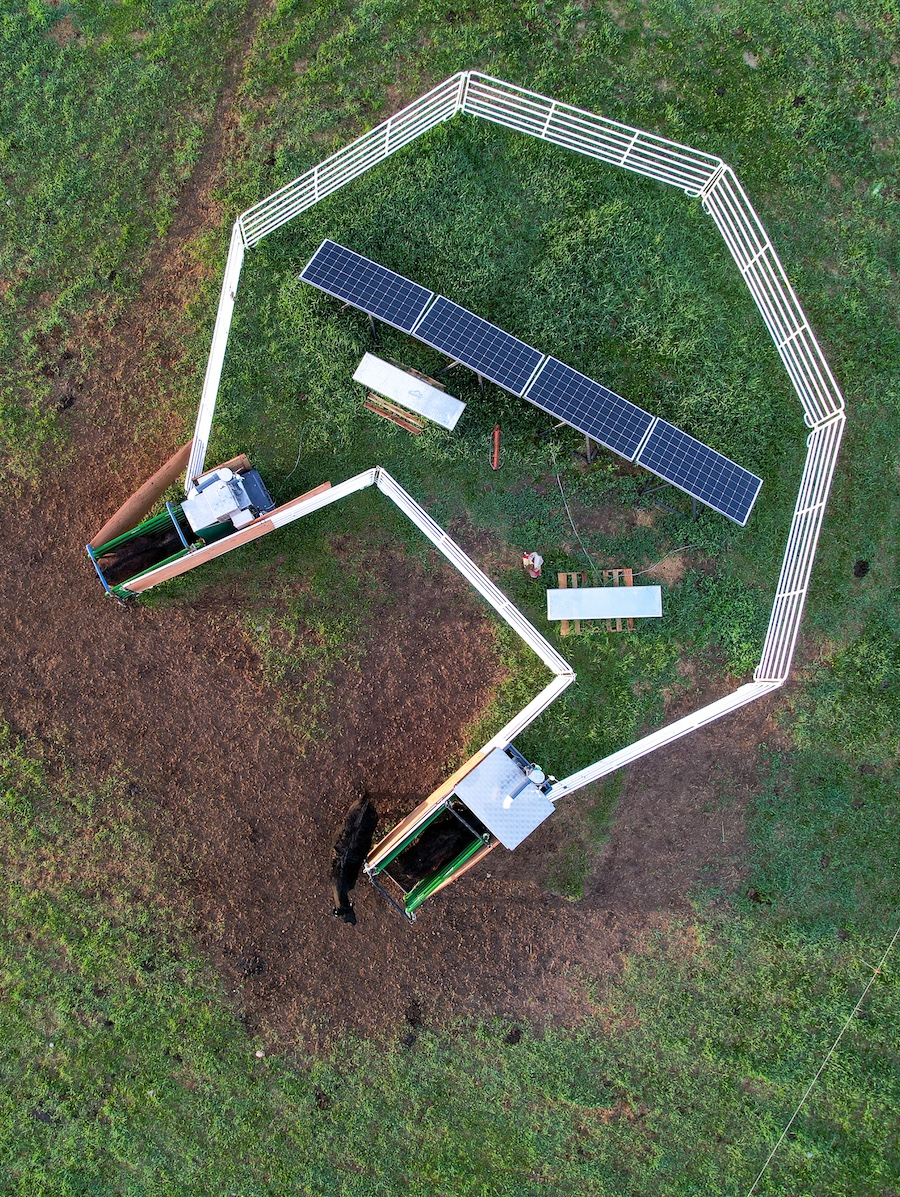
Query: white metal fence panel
point(528, 714)
point(467, 567)
point(292, 199)
point(586, 133)
point(658, 739)
point(724, 199)
point(333, 495)
point(784, 624)
point(216, 359)
point(741, 229)
point(353, 160)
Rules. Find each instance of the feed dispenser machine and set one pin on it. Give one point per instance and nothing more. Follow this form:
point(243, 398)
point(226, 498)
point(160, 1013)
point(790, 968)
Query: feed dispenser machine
point(495, 798)
point(220, 502)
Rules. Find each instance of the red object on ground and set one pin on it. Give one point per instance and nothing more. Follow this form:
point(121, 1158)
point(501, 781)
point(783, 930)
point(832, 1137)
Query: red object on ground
point(531, 563)
point(495, 448)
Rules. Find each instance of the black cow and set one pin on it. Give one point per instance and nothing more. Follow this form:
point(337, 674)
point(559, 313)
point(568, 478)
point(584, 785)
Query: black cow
point(139, 553)
point(440, 843)
point(350, 850)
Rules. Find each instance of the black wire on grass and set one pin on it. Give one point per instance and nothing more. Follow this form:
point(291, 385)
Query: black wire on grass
point(594, 568)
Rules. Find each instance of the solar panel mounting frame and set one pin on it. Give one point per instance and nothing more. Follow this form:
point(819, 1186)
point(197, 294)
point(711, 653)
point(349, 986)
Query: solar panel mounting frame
point(639, 420)
point(662, 428)
point(530, 360)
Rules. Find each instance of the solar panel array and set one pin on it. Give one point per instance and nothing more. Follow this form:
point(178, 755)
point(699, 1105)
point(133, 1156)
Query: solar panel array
point(349, 276)
point(700, 471)
point(481, 346)
point(591, 408)
point(549, 384)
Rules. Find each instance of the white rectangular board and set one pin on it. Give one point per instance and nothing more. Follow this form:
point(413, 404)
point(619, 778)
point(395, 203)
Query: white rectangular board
point(410, 392)
point(503, 798)
point(604, 602)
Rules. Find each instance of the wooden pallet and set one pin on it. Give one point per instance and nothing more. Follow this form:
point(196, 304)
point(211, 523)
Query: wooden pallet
point(609, 577)
point(571, 581)
point(397, 415)
point(618, 577)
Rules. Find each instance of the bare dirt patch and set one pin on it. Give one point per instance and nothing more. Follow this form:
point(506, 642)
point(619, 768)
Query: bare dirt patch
point(243, 816)
point(669, 571)
point(66, 31)
point(680, 820)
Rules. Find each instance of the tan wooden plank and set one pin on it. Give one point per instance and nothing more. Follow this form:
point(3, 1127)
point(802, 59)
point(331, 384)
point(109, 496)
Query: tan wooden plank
point(136, 507)
point(209, 552)
point(388, 411)
point(562, 580)
point(316, 490)
point(241, 462)
point(389, 406)
point(628, 576)
point(619, 576)
point(479, 855)
point(432, 382)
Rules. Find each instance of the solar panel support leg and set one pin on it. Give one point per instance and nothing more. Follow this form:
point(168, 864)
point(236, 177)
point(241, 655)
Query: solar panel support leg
point(590, 449)
point(446, 369)
point(481, 384)
point(374, 329)
point(650, 491)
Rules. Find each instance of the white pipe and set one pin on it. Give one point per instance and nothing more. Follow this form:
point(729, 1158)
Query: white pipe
point(529, 713)
point(216, 356)
point(325, 499)
point(658, 739)
point(439, 103)
point(803, 538)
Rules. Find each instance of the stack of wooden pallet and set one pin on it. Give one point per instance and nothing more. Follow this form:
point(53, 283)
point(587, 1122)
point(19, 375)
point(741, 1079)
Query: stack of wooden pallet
point(388, 410)
point(397, 415)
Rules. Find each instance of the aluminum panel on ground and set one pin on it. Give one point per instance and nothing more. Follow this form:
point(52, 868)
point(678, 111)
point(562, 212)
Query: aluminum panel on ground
point(589, 407)
point(605, 602)
point(383, 294)
point(409, 391)
point(700, 472)
point(478, 344)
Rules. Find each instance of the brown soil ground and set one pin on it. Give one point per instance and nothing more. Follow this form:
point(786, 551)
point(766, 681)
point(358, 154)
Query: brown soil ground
point(244, 819)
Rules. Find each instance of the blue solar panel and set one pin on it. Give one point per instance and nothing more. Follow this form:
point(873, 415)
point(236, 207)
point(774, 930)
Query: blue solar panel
point(478, 344)
point(700, 471)
point(349, 276)
point(591, 408)
point(556, 388)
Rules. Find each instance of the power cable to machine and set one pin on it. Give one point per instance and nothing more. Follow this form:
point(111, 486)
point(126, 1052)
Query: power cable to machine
point(594, 568)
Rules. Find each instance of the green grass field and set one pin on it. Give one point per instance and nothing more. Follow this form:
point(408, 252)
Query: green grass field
point(125, 1067)
point(103, 110)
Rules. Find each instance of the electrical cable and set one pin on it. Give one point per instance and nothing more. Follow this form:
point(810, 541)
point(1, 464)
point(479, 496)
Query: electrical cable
point(297, 462)
point(809, 1087)
point(593, 564)
point(684, 548)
